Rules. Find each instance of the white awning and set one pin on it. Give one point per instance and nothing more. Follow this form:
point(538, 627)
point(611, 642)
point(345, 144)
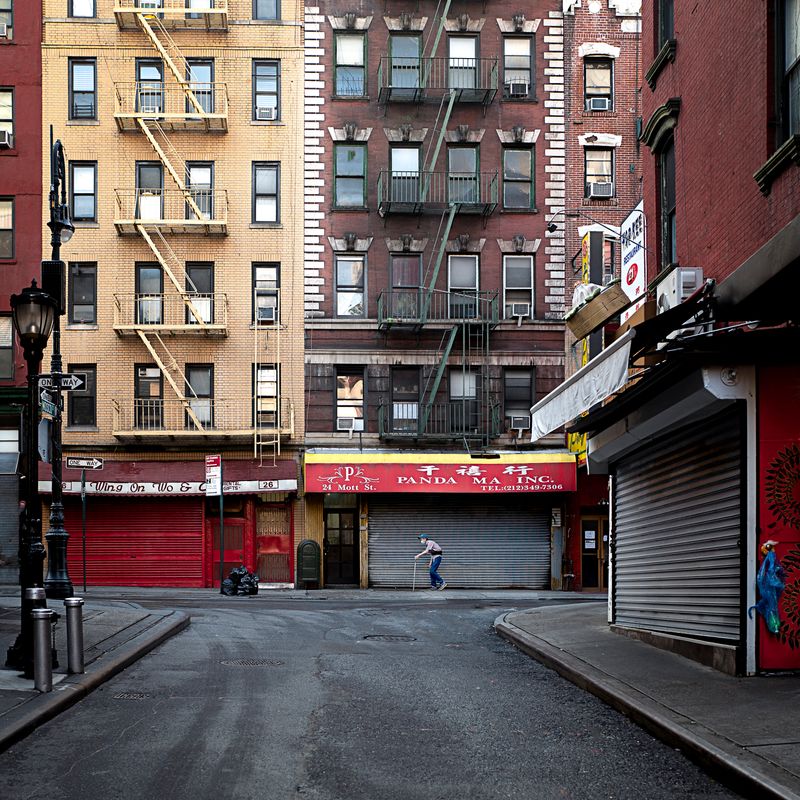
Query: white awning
point(601, 377)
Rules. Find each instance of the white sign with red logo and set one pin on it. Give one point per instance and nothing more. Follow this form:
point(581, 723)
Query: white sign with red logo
point(634, 264)
point(213, 475)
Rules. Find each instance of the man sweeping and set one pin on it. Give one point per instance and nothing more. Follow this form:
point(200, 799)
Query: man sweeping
point(435, 552)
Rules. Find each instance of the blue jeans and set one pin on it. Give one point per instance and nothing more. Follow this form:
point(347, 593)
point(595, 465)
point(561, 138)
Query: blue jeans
point(436, 578)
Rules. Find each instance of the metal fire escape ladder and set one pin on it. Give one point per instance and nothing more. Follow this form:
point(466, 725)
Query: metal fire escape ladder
point(267, 440)
point(448, 340)
point(443, 233)
point(476, 355)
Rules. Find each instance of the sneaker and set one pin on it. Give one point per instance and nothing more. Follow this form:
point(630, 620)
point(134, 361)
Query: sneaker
point(434, 588)
point(441, 586)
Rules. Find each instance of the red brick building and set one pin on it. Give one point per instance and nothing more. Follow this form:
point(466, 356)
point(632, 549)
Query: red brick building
point(434, 291)
point(702, 444)
point(20, 233)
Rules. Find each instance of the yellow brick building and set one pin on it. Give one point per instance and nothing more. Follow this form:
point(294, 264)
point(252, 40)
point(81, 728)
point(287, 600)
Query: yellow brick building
point(182, 125)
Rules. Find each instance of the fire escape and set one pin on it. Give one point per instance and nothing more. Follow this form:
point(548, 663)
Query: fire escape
point(465, 317)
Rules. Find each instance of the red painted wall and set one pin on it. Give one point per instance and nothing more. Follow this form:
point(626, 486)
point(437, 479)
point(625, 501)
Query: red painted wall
point(21, 167)
point(722, 137)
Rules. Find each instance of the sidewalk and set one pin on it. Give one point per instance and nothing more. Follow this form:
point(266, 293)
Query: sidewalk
point(115, 635)
point(745, 731)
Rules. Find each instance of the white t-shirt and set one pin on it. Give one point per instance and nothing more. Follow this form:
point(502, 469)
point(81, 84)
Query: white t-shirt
point(432, 548)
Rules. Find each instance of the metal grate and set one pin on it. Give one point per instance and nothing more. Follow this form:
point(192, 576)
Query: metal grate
point(252, 662)
point(386, 637)
point(131, 696)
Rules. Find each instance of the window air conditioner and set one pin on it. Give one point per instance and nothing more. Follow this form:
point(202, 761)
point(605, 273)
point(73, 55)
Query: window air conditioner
point(517, 89)
point(601, 189)
point(3, 30)
point(5, 140)
point(676, 287)
point(267, 314)
point(599, 103)
point(521, 423)
point(267, 112)
point(345, 423)
point(520, 309)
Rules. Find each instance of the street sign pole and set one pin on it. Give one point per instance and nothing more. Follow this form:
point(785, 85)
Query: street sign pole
point(83, 522)
point(221, 531)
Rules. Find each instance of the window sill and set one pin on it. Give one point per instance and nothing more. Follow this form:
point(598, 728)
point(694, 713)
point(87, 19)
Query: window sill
point(786, 155)
point(268, 123)
point(357, 97)
point(8, 261)
point(83, 326)
point(519, 99)
point(83, 122)
point(608, 112)
point(533, 210)
point(665, 55)
point(81, 429)
point(266, 225)
point(11, 152)
point(81, 224)
point(348, 209)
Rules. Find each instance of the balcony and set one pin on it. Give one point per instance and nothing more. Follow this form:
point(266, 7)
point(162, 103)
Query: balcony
point(169, 211)
point(412, 80)
point(448, 420)
point(169, 314)
point(157, 420)
point(414, 308)
point(206, 15)
point(169, 106)
point(434, 192)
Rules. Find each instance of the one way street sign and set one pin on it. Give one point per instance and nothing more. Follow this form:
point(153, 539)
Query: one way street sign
point(85, 463)
point(69, 380)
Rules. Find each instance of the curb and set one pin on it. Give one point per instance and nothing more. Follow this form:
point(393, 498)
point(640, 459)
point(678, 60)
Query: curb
point(736, 768)
point(18, 723)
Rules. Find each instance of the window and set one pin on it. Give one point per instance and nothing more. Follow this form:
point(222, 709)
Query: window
point(149, 294)
point(82, 293)
point(463, 286)
point(517, 67)
point(406, 273)
point(6, 348)
point(267, 395)
point(200, 183)
point(266, 89)
point(83, 191)
point(666, 168)
point(463, 183)
point(6, 227)
point(405, 399)
point(81, 8)
point(404, 166)
point(665, 16)
point(350, 399)
point(350, 286)
point(200, 288)
point(7, 16)
point(265, 192)
point(350, 176)
point(200, 393)
point(266, 9)
point(789, 68)
point(405, 52)
point(518, 392)
point(464, 407)
point(462, 52)
point(149, 86)
point(200, 74)
point(598, 75)
point(82, 403)
point(149, 190)
point(518, 285)
point(7, 117)
point(350, 70)
point(266, 282)
point(83, 88)
point(599, 172)
point(148, 398)
point(518, 179)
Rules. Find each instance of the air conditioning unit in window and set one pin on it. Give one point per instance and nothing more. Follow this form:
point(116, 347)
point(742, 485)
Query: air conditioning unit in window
point(3, 30)
point(520, 309)
point(521, 423)
point(517, 89)
point(599, 103)
point(267, 112)
point(601, 189)
point(676, 287)
point(267, 314)
point(5, 140)
point(345, 423)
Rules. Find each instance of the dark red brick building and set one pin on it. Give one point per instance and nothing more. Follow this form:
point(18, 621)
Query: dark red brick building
point(20, 232)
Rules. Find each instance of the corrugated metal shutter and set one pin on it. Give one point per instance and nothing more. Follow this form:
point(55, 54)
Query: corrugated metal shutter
point(141, 542)
point(677, 524)
point(487, 542)
point(9, 529)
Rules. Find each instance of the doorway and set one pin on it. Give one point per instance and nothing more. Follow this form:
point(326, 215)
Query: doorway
point(594, 547)
point(341, 548)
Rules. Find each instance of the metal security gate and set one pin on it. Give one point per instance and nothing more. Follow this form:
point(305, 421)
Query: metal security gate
point(137, 541)
point(9, 529)
point(677, 526)
point(487, 542)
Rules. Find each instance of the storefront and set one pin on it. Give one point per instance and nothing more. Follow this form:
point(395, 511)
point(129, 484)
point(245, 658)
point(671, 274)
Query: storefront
point(150, 523)
point(497, 519)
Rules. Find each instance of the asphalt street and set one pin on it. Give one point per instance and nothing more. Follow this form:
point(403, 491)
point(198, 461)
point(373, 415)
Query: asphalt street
point(383, 700)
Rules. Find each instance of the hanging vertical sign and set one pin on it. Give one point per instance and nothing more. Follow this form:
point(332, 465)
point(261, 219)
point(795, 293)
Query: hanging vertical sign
point(213, 476)
point(634, 264)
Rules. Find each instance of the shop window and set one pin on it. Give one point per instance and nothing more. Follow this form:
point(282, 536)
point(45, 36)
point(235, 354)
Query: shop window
point(82, 297)
point(82, 403)
point(349, 400)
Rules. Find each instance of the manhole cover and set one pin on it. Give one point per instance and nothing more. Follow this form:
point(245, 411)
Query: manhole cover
point(131, 696)
point(252, 662)
point(387, 637)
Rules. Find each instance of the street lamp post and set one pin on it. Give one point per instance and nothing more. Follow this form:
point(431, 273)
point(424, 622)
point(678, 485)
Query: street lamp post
point(57, 583)
point(33, 314)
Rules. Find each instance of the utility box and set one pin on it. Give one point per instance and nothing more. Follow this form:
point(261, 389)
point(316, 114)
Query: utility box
point(309, 564)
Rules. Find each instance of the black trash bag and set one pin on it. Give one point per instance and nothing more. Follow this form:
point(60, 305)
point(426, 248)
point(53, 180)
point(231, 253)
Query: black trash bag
point(237, 573)
point(248, 585)
point(228, 587)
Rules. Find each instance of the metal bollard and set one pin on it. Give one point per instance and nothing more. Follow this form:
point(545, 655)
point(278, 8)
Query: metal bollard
point(37, 597)
point(42, 650)
point(74, 606)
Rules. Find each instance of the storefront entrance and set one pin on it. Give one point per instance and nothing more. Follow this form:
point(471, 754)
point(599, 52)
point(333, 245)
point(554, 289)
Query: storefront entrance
point(594, 559)
point(341, 547)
